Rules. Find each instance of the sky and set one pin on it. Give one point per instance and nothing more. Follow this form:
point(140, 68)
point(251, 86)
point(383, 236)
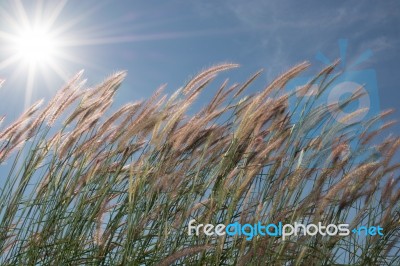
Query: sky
point(161, 42)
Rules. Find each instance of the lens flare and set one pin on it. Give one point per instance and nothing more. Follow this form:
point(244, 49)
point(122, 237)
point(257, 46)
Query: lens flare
point(35, 46)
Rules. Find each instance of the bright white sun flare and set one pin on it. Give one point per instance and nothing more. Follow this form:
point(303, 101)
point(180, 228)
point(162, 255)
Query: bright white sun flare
point(32, 44)
point(35, 46)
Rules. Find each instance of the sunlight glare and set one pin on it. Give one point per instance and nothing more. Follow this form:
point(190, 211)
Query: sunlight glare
point(35, 46)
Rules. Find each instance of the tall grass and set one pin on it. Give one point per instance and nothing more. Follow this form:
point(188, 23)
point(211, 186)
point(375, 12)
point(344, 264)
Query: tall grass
point(88, 187)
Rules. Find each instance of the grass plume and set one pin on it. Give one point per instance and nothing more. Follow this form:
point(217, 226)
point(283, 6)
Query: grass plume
point(120, 188)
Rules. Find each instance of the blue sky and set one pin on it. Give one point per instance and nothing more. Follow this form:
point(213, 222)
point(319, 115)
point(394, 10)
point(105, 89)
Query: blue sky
point(167, 41)
point(161, 42)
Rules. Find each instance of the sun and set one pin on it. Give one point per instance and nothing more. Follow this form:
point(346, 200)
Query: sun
point(35, 46)
point(32, 44)
point(40, 40)
point(43, 42)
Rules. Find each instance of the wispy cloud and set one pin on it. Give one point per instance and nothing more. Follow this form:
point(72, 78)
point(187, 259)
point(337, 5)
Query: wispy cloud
point(287, 30)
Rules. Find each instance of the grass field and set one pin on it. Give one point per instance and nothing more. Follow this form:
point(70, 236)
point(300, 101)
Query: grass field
point(87, 186)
